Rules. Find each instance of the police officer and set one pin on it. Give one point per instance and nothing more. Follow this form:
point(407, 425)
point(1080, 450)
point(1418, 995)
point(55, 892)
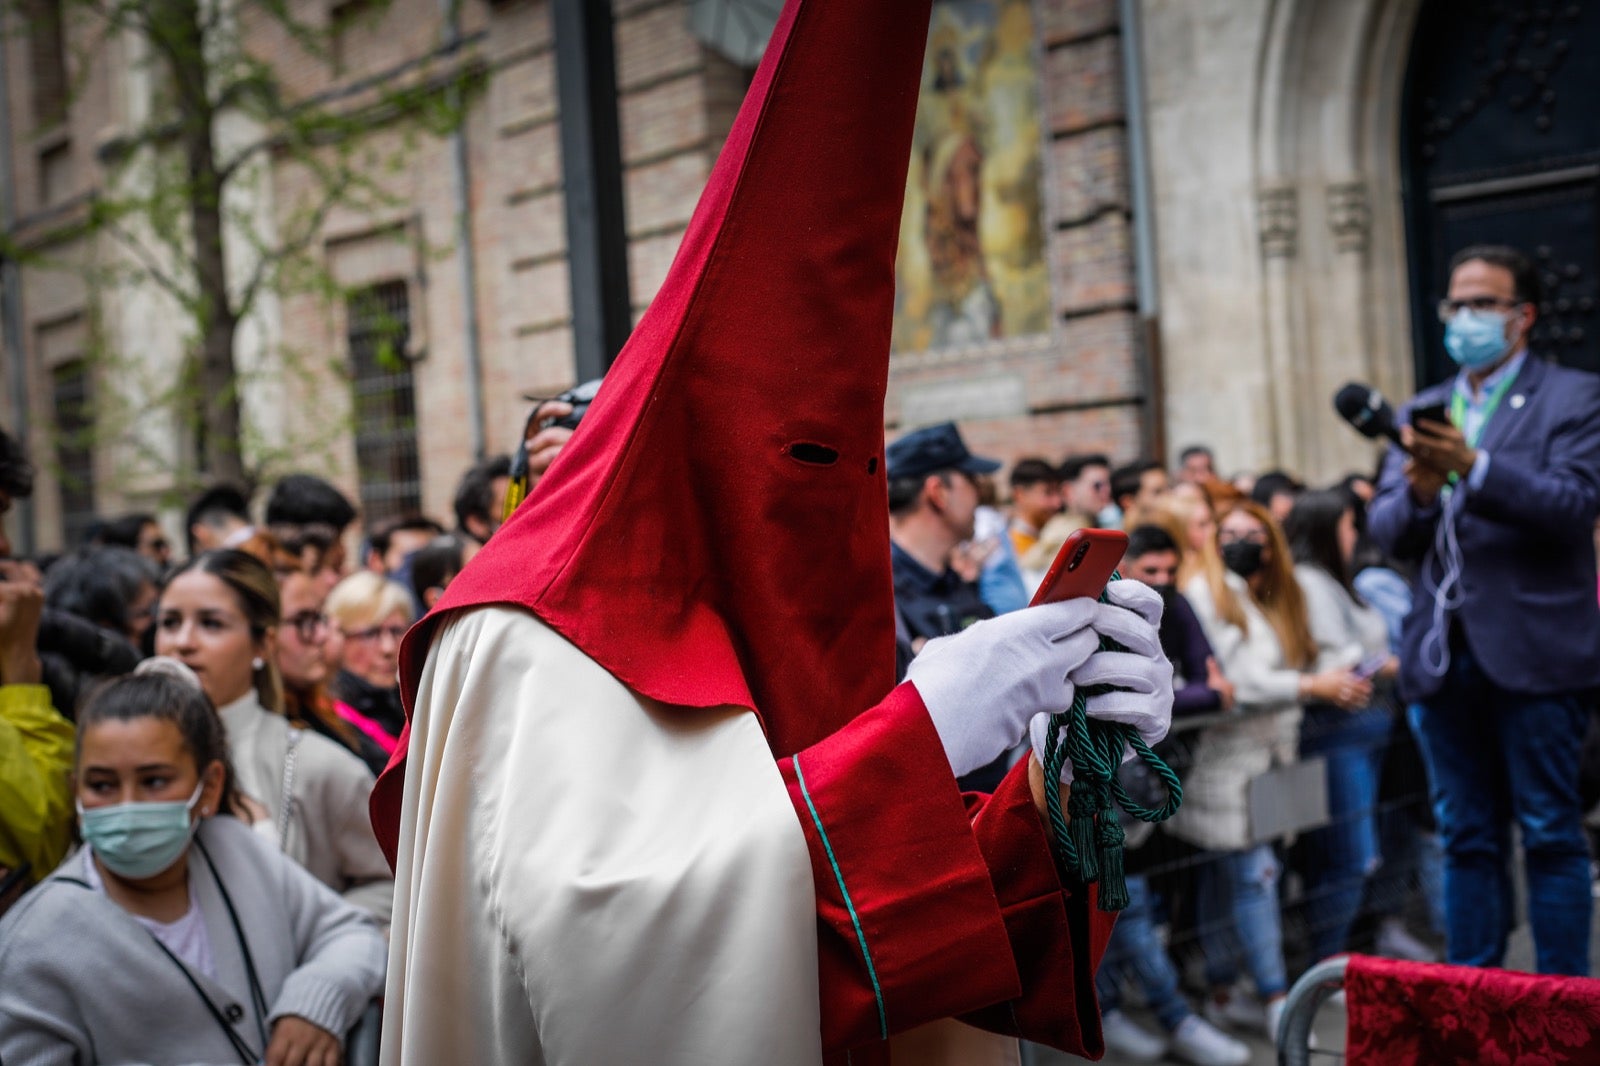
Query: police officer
point(933, 498)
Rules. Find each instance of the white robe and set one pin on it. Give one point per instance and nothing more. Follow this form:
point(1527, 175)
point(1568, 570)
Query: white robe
point(586, 878)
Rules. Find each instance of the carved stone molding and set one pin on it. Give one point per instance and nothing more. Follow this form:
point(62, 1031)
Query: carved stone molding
point(1349, 216)
point(1278, 210)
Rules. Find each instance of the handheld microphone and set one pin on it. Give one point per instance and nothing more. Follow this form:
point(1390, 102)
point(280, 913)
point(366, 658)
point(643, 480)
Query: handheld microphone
point(1367, 412)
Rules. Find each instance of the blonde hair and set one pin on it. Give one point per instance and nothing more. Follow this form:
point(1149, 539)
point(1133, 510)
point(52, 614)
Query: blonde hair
point(1280, 598)
point(1051, 538)
point(1163, 518)
point(1174, 514)
point(367, 598)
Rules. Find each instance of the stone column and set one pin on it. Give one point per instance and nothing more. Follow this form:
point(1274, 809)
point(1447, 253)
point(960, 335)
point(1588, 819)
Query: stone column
point(1278, 219)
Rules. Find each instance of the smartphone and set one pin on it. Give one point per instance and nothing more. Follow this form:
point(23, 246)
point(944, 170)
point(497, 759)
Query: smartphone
point(1083, 565)
point(1368, 668)
point(1433, 412)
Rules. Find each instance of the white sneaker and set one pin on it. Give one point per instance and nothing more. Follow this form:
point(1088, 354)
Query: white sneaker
point(1197, 1041)
point(1235, 1010)
point(1395, 941)
point(1275, 1018)
point(1124, 1037)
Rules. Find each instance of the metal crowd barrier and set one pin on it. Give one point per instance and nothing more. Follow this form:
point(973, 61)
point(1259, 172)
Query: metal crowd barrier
point(1403, 886)
point(1315, 987)
point(361, 1045)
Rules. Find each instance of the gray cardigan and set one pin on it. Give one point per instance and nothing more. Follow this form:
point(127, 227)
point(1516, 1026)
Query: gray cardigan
point(81, 982)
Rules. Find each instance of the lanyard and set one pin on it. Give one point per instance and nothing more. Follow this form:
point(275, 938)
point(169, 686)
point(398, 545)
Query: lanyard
point(257, 995)
point(1458, 408)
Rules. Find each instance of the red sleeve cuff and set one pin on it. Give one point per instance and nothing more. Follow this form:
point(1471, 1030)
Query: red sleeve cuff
point(909, 928)
point(1057, 933)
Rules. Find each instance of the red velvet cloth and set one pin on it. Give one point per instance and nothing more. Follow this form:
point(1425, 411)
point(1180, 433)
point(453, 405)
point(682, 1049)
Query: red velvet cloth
point(1420, 1014)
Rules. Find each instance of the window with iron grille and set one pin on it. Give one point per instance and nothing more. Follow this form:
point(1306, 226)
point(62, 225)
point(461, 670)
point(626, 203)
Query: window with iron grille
point(47, 54)
point(384, 402)
point(74, 418)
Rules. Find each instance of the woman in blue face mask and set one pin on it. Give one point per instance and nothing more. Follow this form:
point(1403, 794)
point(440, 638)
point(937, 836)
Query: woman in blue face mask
point(175, 910)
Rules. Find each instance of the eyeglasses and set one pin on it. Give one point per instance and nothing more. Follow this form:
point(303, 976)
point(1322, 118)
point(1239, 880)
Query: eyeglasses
point(308, 625)
point(375, 633)
point(1448, 309)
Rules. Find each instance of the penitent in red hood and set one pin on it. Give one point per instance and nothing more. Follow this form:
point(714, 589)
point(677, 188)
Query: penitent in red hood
point(716, 532)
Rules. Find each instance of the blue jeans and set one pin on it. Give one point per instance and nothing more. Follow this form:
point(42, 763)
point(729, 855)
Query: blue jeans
point(1136, 949)
point(1341, 855)
point(1492, 756)
point(1237, 893)
point(1413, 861)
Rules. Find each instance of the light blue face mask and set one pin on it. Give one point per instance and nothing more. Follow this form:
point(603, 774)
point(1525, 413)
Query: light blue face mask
point(139, 840)
point(1476, 339)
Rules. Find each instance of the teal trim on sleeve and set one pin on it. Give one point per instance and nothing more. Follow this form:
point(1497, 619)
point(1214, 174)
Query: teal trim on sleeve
point(855, 919)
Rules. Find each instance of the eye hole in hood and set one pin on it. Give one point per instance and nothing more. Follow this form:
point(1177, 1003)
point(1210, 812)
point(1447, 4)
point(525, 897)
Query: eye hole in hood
point(812, 454)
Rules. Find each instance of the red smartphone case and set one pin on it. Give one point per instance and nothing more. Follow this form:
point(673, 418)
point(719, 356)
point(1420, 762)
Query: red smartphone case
point(1083, 565)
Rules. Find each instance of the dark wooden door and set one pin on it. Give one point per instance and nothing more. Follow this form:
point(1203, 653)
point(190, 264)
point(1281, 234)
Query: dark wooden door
point(1502, 144)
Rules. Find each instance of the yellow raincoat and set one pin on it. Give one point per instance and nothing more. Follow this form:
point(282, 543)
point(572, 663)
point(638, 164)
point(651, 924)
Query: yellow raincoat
point(35, 780)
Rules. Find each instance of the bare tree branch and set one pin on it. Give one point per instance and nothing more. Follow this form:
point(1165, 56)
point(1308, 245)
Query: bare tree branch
point(149, 265)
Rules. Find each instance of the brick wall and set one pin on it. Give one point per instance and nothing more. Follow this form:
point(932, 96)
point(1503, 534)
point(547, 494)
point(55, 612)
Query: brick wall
point(1075, 389)
point(675, 108)
point(54, 137)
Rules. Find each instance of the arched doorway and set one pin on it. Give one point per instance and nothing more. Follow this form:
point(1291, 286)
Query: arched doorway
point(1502, 144)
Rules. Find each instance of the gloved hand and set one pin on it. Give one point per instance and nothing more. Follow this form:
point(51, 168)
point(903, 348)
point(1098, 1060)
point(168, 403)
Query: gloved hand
point(1132, 619)
point(983, 685)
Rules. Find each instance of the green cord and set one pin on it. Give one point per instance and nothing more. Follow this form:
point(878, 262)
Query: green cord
point(1089, 843)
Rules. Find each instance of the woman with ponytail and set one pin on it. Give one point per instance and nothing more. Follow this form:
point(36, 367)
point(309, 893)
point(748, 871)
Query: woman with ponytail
point(219, 615)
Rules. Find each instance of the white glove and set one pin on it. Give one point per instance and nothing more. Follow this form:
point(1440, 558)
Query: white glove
point(1133, 620)
point(983, 685)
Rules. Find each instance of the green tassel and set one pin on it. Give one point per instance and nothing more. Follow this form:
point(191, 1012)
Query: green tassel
point(1088, 840)
point(1055, 756)
point(1080, 828)
point(1113, 882)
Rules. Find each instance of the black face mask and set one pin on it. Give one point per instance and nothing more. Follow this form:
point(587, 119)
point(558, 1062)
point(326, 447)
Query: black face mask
point(1243, 557)
point(1168, 593)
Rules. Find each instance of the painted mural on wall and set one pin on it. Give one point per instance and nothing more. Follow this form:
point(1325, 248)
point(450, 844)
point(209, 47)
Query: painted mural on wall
point(971, 265)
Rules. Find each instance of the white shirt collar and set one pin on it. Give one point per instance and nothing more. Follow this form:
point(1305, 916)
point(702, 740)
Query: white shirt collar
point(1507, 369)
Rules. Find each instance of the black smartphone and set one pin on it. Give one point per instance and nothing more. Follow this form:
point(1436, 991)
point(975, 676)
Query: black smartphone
point(1436, 413)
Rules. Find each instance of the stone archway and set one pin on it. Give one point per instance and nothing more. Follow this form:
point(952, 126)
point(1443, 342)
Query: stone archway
point(1330, 215)
point(1281, 252)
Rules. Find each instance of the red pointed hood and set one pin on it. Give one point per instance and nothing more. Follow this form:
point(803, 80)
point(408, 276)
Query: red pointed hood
point(716, 532)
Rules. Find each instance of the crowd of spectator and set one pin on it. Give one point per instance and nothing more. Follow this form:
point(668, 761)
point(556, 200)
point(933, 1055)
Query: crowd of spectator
point(1283, 624)
point(210, 727)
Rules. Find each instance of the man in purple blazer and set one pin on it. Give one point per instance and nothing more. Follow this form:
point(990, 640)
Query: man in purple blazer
point(1501, 652)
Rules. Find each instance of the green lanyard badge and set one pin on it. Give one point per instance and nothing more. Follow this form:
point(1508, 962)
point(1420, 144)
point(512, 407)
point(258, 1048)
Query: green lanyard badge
point(1458, 408)
point(1458, 414)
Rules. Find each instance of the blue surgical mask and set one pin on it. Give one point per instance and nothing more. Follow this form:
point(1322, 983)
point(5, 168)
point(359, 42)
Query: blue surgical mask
point(1476, 339)
point(139, 840)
